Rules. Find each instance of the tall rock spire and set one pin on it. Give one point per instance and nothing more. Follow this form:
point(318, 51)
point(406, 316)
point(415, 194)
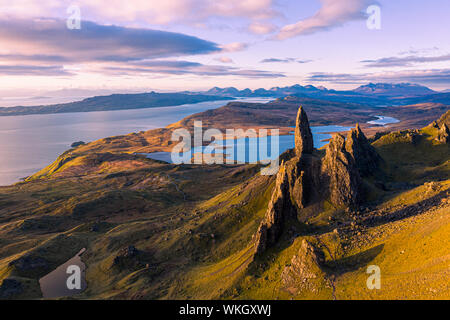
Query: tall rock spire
point(303, 136)
point(295, 182)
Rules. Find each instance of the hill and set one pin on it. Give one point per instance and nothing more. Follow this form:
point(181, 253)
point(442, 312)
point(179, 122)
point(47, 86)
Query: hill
point(160, 231)
point(394, 90)
point(113, 102)
point(379, 94)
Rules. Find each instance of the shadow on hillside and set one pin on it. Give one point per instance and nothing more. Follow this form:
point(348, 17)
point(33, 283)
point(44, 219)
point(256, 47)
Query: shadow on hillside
point(353, 262)
point(409, 211)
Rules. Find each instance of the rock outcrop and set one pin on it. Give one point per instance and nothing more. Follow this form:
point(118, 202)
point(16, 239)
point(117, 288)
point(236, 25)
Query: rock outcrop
point(293, 185)
point(130, 258)
point(444, 119)
point(346, 162)
point(304, 143)
point(304, 273)
point(443, 134)
point(366, 158)
point(279, 210)
point(341, 174)
point(304, 178)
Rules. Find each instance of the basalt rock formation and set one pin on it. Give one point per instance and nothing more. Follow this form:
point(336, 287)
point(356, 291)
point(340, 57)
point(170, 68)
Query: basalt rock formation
point(304, 178)
point(294, 185)
point(279, 210)
point(340, 173)
point(444, 134)
point(304, 271)
point(444, 119)
point(303, 137)
point(345, 163)
point(366, 158)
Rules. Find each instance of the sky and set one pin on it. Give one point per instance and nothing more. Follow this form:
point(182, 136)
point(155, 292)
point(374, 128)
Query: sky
point(58, 46)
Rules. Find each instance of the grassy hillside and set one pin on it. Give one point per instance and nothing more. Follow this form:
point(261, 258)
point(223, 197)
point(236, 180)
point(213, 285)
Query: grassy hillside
point(193, 228)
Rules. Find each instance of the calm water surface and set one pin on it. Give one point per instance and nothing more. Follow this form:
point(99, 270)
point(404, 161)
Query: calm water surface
point(54, 284)
point(29, 143)
point(320, 133)
point(383, 121)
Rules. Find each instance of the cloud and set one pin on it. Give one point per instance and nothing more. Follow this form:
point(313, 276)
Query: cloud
point(404, 61)
point(225, 60)
point(32, 58)
point(184, 68)
point(153, 12)
point(415, 51)
point(432, 76)
point(333, 13)
point(94, 42)
point(234, 47)
point(286, 60)
point(261, 27)
point(108, 49)
point(29, 70)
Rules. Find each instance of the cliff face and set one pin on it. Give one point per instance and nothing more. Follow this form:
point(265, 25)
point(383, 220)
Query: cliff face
point(340, 174)
point(347, 160)
point(293, 186)
point(279, 210)
point(304, 178)
point(304, 143)
point(365, 156)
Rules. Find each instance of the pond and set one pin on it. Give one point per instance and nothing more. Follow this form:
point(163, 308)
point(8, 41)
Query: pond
point(54, 284)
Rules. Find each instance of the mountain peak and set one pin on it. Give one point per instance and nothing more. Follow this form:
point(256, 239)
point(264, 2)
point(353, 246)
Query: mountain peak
point(394, 89)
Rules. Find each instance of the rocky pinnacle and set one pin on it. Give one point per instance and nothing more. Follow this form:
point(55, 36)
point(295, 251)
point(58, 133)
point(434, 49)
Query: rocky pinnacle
point(303, 136)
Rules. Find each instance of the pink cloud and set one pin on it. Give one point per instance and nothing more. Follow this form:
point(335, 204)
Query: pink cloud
point(225, 60)
point(261, 27)
point(234, 47)
point(154, 12)
point(333, 13)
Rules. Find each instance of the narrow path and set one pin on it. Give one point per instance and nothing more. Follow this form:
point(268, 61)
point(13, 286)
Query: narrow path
point(331, 278)
point(176, 186)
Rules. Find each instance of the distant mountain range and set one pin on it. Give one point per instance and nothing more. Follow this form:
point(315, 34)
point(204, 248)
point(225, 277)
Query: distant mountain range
point(372, 94)
point(275, 91)
point(379, 89)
